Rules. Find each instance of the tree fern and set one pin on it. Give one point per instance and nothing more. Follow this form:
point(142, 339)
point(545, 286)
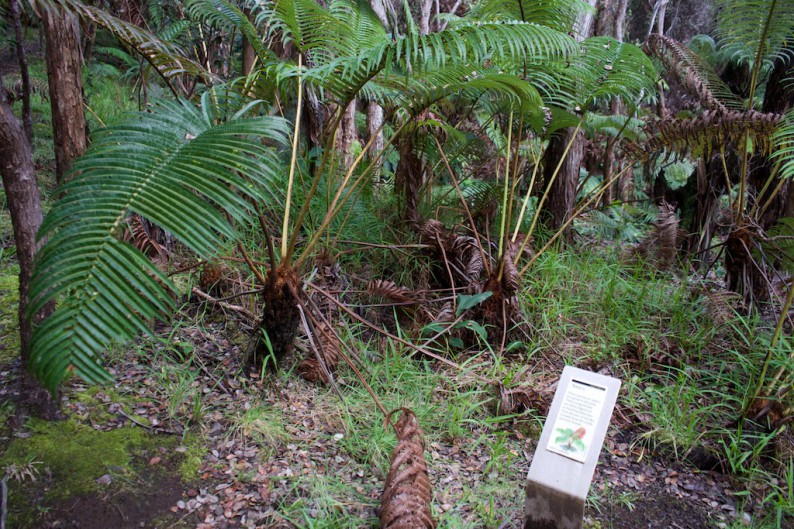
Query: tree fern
point(168, 59)
point(176, 168)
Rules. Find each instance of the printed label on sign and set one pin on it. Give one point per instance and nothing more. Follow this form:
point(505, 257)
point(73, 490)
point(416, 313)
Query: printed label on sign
point(580, 411)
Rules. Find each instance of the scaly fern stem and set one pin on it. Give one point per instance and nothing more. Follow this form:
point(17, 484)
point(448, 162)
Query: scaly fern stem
point(753, 85)
point(568, 222)
point(293, 161)
point(464, 204)
point(546, 195)
point(505, 195)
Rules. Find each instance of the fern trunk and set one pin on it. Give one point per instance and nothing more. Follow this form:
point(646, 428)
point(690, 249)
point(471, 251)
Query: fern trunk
point(280, 318)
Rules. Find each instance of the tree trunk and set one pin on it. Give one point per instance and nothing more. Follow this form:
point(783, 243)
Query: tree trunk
point(248, 57)
point(65, 76)
point(346, 134)
point(563, 190)
point(562, 194)
point(374, 123)
point(22, 195)
point(27, 121)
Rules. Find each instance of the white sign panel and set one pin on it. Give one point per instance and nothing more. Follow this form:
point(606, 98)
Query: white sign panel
point(574, 429)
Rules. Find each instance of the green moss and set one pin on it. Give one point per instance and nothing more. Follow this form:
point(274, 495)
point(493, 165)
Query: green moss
point(77, 455)
point(194, 455)
point(9, 318)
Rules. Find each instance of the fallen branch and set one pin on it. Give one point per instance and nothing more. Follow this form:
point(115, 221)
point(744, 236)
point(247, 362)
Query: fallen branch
point(237, 308)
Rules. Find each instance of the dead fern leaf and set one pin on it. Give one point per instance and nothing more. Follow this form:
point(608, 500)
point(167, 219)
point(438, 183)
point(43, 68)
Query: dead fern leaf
point(391, 291)
point(661, 244)
point(405, 503)
point(143, 236)
point(311, 368)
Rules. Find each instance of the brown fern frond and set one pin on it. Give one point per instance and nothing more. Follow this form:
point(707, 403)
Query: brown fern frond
point(141, 235)
point(446, 314)
point(519, 399)
point(391, 291)
point(690, 71)
point(661, 244)
point(701, 134)
point(311, 368)
point(405, 503)
point(465, 253)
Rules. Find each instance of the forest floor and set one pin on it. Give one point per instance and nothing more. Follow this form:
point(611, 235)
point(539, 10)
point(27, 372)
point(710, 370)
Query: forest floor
point(204, 442)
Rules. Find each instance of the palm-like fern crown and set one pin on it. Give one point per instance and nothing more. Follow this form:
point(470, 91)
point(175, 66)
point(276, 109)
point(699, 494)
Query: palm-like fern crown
point(173, 166)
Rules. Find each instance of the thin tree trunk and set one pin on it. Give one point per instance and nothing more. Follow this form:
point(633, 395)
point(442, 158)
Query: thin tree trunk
point(346, 134)
point(65, 76)
point(374, 123)
point(27, 121)
point(22, 195)
point(248, 57)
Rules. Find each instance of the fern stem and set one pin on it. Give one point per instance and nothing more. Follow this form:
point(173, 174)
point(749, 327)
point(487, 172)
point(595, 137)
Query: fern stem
point(753, 84)
point(502, 227)
point(293, 161)
point(536, 160)
point(337, 204)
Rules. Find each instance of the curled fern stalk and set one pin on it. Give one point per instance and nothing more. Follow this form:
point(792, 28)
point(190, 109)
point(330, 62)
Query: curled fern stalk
point(175, 167)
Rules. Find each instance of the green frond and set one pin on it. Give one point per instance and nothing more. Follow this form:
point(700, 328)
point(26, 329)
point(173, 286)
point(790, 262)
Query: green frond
point(476, 43)
point(221, 13)
point(613, 124)
point(557, 14)
point(607, 68)
point(168, 59)
point(750, 25)
point(783, 145)
point(175, 30)
point(177, 169)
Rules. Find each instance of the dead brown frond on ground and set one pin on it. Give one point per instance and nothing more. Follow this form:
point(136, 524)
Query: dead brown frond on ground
point(458, 256)
point(393, 292)
point(405, 503)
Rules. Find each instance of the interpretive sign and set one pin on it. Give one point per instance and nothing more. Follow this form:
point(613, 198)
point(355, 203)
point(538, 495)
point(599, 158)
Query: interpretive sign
point(574, 427)
point(567, 453)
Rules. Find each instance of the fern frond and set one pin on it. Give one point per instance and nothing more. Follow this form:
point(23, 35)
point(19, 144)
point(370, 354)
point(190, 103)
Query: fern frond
point(783, 145)
point(699, 135)
point(557, 14)
point(692, 74)
point(172, 166)
point(220, 13)
point(750, 25)
point(607, 68)
point(168, 59)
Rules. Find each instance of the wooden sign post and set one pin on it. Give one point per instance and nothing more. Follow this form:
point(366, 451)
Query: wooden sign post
point(567, 453)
